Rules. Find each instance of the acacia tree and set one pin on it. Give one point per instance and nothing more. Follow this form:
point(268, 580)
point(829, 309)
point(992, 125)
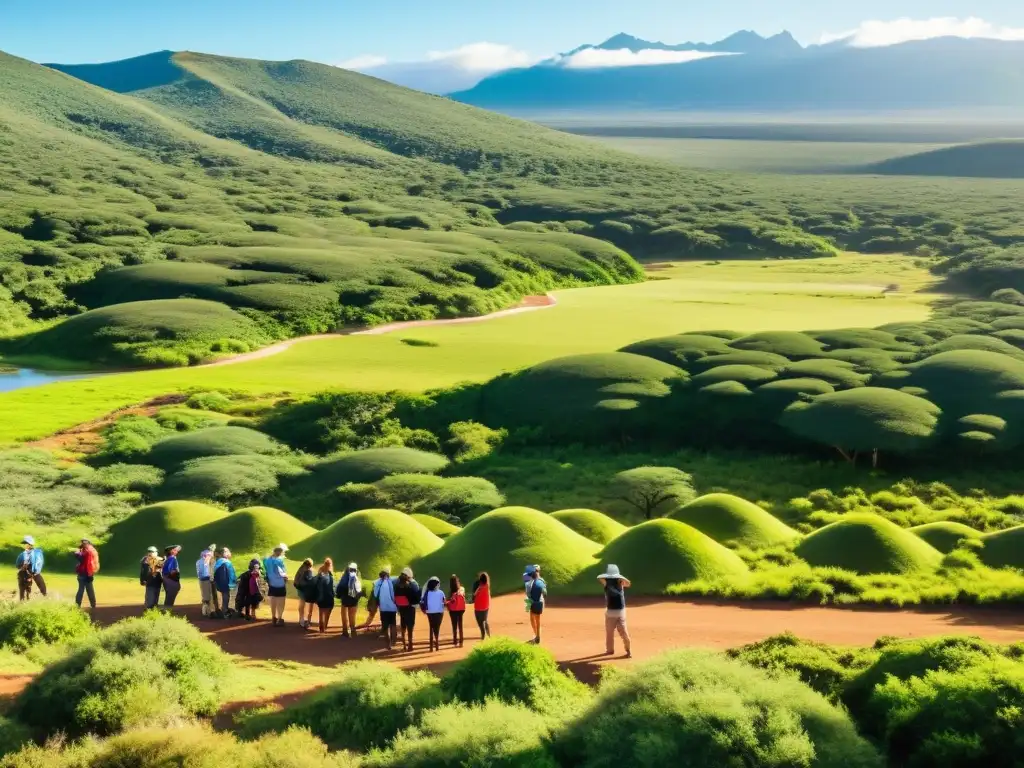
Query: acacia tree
point(455, 499)
point(652, 491)
point(865, 419)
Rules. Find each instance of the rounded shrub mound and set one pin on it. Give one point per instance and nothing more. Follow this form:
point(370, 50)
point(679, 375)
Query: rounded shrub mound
point(247, 531)
point(590, 524)
point(702, 709)
point(658, 553)
point(860, 338)
point(214, 441)
point(24, 625)
point(839, 373)
point(945, 535)
point(869, 361)
point(744, 374)
point(964, 381)
point(506, 540)
point(790, 344)
point(678, 350)
point(373, 538)
point(441, 528)
point(867, 543)
point(157, 525)
point(726, 518)
point(138, 672)
point(227, 479)
point(1004, 549)
point(760, 359)
point(372, 464)
point(976, 341)
point(781, 393)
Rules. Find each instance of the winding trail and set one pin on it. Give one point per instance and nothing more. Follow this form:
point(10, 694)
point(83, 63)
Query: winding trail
point(528, 304)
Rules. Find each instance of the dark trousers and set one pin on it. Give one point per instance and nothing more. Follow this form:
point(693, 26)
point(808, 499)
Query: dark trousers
point(171, 590)
point(481, 621)
point(85, 587)
point(456, 617)
point(152, 594)
point(25, 580)
point(435, 620)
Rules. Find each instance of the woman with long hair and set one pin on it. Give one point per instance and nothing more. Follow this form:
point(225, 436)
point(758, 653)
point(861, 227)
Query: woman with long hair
point(325, 593)
point(457, 609)
point(407, 597)
point(482, 603)
point(432, 603)
point(305, 580)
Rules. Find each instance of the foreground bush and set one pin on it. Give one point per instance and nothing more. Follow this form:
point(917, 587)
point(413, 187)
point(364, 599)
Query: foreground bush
point(369, 704)
point(41, 622)
point(698, 708)
point(138, 672)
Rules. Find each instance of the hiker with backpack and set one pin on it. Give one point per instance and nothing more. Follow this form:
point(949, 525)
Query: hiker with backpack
point(324, 593)
point(277, 584)
point(171, 574)
point(87, 568)
point(204, 572)
point(226, 582)
point(457, 609)
point(615, 585)
point(536, 593)
point(384, 595)
point(251, 591)
point(432, 603)
point(304, 582)
point(482, 603)
point(150, 577)
point(407, 597)
point(350, 590)
point(30, 569)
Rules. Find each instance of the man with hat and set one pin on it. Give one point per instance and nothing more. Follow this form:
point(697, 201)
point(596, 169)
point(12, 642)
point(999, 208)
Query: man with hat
point(615, 585)
point(30, 569)
point(277, 584)
point(171, 575)
point(536, 595)
point(349, 591)
point(150, 576)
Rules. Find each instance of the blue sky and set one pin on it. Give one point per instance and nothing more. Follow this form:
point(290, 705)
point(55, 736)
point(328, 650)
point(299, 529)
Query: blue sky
point(73, 31)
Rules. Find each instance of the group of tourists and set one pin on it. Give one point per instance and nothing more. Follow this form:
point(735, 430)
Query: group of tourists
point(395, 599)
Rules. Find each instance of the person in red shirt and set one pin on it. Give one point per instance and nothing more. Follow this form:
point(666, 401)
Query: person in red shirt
point(482, 603)
point(457, 609)
point(88, 564)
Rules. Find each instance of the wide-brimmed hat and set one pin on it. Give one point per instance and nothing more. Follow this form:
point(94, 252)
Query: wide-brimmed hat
point(172, 548)
point(29, 540)
point(611, 572)
point(385, 571)
point(407, 571)
point(151, 550)
point(282, 547)
point(353, 567)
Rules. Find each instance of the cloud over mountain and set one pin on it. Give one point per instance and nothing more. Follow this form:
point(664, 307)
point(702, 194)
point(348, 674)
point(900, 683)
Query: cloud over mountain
point(592, 58)
point(876, 34)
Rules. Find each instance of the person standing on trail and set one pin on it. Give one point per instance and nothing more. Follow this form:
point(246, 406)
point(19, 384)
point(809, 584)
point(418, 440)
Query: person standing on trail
point(350, 590)
point(86, 570)
point(304, 586)
point(150, 577)
point(384, 595)
point(250, 591)
point(324, 593)
point(482, 603)
point(457, 609)
point(432, 603)
point(277, 584)
point(226, 582)
point(30, 569)
point(204, 572)
point(171, 574)
point(407, 597)
point(615, 586)
point(536, 593)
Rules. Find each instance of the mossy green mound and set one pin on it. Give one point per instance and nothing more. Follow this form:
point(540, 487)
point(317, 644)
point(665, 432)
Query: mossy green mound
point(945, 534)
point(730, 519)
point(157, 525)
point(1004, 549)
point(744, 374)
point(658, 553)
point(591, 524)
point(841, 374)
point(964, 381)
point(440, 528)
point(506, 540)
point(679, 350)
point(372, 538)
point(213, 441)
point(867, 543)
point(860, 338)
point(790, 344)
point(783, 392)
point(372, 464)
point(977, 342)
point(247, 531)
point(870, 361)
point(760, 359)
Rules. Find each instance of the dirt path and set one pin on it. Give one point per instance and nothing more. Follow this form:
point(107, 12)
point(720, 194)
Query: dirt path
point(86, 438)
point(528, 304)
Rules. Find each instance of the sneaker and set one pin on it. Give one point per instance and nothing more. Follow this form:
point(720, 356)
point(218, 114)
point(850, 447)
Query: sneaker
point(629, 654)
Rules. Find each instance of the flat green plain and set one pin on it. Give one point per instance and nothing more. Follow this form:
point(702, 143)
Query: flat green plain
point(750, 296)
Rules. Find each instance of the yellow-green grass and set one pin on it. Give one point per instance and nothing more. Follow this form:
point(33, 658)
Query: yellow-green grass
point(1004, 549)
point(591, 524)
point(866, 544)
point(946, 534)
point(842, 292)
point(440, 528)
point(658, 553)
point(373, 539)
point(503, 543)
point(729, 519)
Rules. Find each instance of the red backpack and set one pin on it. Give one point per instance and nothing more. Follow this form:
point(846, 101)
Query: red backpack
point(91, 561)
point(457, 602)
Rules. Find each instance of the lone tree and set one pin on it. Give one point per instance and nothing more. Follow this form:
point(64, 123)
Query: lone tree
point(450, 498)
point(865, 419)
point(653, 491)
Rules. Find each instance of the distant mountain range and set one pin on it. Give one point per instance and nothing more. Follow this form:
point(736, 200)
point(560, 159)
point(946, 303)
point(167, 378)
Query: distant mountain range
point(769, 74)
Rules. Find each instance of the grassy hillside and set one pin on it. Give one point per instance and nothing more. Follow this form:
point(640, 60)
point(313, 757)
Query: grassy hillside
point(991, 159)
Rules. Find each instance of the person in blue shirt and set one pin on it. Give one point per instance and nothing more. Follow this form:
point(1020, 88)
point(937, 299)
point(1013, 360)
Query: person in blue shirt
point(536, 592)
point(384, 596)
point(30, 569)
point(277, 584)
point(204, 572)
point(171, 574)
point(226, 581)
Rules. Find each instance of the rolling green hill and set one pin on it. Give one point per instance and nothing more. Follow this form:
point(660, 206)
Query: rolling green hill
point(989, 159)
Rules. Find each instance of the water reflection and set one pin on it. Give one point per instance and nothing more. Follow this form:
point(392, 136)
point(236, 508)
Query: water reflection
point(20, 378)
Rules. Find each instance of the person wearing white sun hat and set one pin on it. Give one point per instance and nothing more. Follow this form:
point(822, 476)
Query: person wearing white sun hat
point(615, 585)
point(277, 584)
point(350, 590)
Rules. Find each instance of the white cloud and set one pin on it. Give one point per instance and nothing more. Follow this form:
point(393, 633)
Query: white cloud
point(484, 57)
point(874, 34)
point(364, 62)
point(593, 58)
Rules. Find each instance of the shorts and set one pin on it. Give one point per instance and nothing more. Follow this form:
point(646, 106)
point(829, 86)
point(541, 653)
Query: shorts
point(277, 591)
point(206, 590)
point(388, 619)
point(349, 602)
point(536, 608)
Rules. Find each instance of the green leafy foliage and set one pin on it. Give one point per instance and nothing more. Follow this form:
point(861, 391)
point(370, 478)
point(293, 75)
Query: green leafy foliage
point(868, 544)
point(455, 498)
point(730, 519)
point(41, 622)
point(590, 524)
point(649, 492)
point(174, 451)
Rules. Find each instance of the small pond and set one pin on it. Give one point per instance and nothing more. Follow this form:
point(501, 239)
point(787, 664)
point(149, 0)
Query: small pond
point(20, 378)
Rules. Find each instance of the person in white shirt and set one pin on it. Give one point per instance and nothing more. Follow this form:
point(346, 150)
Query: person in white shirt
point(432, 603)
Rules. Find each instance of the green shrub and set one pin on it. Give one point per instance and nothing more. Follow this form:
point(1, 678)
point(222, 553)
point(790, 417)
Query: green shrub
point(130, 438)
point(136, 672)
point(590, 524)
point(13, 735)
point(209, 401)
point(789, 344)
point(868, 544)
point(469, 441)
point(679, 350)
point(454, 498)
point(730, 519)
point(233, 480)
point(27, 624)
point(373, 464)
point(697, 708)
point(174, 451)
point(649, 492)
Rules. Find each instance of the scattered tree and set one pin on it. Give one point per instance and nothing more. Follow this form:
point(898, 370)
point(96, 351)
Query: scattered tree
point(653, 491)
point(452, 498)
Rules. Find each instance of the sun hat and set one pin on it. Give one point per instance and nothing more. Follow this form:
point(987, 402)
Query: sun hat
point(29, 540)
point(282, 547)
point(386, 570)
point(151, 550)
point(172, 548)
point(530, 570)
point(611, 572)
point(353, 566)
point(407, 571)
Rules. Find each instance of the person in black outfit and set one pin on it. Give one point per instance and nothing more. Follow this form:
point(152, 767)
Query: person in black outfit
point(615, 585)
point(407, 597)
